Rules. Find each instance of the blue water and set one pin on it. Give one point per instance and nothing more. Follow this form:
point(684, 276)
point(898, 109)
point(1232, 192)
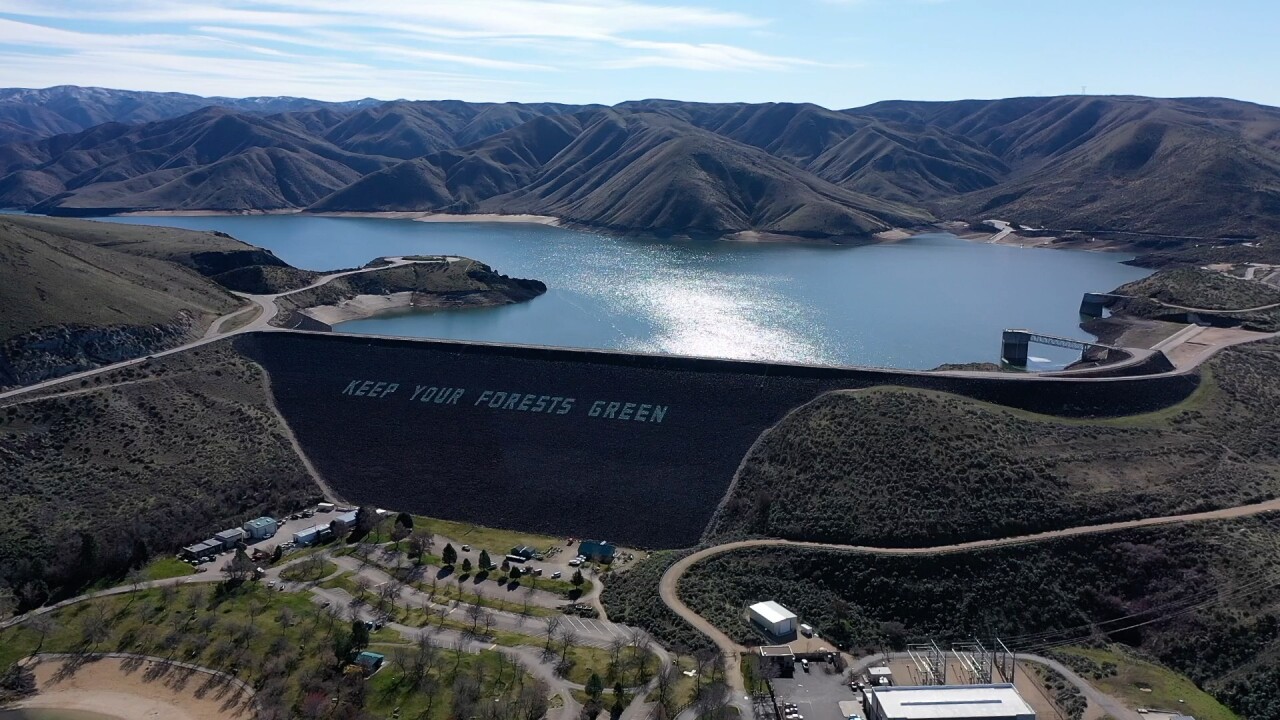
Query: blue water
point(918, 303)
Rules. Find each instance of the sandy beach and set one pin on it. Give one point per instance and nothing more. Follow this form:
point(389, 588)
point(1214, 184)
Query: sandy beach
point(120, 688)
point(360, 306)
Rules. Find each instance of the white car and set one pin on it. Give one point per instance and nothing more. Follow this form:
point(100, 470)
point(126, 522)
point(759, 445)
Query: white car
point(575, 562)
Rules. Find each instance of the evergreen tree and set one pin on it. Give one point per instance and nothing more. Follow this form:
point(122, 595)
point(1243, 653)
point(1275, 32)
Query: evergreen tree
point(595, 687)
point(484, 560)
point(359, 635)
point(449, 556)
point(466, 565)
point(577, 578)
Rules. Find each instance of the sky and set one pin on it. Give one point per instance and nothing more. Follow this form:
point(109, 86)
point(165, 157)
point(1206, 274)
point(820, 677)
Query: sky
point(836, 53)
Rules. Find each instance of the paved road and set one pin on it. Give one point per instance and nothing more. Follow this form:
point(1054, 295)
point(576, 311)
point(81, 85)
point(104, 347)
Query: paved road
point(1003, 230)
point(268, 310)
point(669, 585)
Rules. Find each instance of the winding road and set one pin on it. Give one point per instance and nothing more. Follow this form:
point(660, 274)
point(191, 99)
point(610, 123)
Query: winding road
point(668, 587)
point(267, 312)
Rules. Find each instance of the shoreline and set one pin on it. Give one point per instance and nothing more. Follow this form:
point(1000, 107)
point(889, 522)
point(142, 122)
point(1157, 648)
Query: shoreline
point(891, 235)
point(364, 307)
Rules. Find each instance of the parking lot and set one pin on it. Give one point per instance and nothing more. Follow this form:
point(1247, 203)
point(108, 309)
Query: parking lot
point(816, 693)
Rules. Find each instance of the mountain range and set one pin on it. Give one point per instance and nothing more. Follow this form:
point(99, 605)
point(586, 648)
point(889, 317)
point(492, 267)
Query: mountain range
point(1188, 168)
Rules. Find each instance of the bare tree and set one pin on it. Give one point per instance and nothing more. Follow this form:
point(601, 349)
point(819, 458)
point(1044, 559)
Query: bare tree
point(362, 585)
point(568, 638)
point(553, 623)
point(475, 613)
point(616, 646)
point(42, 624)
point(489, 620)
point(665, 689)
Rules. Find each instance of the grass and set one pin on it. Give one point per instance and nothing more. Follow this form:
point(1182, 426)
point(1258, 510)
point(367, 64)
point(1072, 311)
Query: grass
point(586, 659)
point(167, 567)
point(306, 572)
point(497, 541)
point(1167, 687)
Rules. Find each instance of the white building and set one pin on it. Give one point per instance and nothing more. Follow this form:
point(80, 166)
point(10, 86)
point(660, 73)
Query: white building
point(775, 619)
point(949, 702)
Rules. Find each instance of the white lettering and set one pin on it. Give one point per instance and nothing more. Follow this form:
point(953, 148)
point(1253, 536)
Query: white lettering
point(484, 396)
point(542, 403)
point(596, 407)
point(457, 395)
point(659, 412)
point(497, 399)
point(364, 389)
point(643, 413)
point(391, 387)
point(626, 411)
point(611, 410)
point(511, 402)
point(525, 403)
point(351, 387)
point(416, 392)
point(568, 405)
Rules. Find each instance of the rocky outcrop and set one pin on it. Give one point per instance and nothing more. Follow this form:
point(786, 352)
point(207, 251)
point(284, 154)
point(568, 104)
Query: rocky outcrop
point(52, 352)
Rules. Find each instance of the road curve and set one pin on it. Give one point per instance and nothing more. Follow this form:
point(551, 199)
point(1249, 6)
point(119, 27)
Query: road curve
point(267, 304)
point(669, 584)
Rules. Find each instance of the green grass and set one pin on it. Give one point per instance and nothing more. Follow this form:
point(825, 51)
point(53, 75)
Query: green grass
point(1167, 687)
point(497, 541)
point(167, 567)
point(585, 660)
point(305, 572)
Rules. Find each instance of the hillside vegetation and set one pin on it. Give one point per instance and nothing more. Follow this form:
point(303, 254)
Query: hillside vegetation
point(896, 466)
point(1233, 298)
point(1211, 585)
point(673, 167)
point(102, 476)
point(433, 284)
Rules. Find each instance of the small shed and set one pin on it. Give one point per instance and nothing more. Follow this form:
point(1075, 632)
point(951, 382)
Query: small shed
point(523, 551)
point(597, 550)
point(781, 657)
point(370, 661)
point(880, 675)
point(228, 538)
point(775, 619)
point(260, 528)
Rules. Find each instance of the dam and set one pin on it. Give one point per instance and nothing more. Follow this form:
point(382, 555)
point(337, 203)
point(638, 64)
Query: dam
point(570, 442)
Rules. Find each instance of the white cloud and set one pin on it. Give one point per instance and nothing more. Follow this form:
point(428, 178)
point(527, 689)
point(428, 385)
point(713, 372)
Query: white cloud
point(400, 43)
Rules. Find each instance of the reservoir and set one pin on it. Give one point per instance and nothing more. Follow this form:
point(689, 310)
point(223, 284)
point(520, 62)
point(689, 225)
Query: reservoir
point(912, 304)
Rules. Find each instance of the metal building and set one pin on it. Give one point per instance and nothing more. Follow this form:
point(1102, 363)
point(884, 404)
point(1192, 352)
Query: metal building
point(260, 528)
point(775, 619)
point(999, 701)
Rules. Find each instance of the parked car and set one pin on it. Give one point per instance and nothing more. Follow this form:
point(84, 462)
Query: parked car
point(575, 562)
point(555, 575)
point(466, 548)
point(804, 664)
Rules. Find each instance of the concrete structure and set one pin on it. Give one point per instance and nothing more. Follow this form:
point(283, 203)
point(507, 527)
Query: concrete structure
point(781, 657)
point(948, 702)
point(597, 551)
point(775, 619)
point(880, 676)
point(260, 528)
point(1093, 304)
point(229, 538)
point(1015, 346)
point(523, 551)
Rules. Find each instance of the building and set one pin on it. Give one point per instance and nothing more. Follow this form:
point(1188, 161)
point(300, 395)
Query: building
point(260, 528)
point(228, 538)
point(781, 657)
point(523, 551)
point(370, 661)
point(880, 676)
point(201, 549)
point(948, 702)
point(307, 536)
point(346, 520)
point(597, 551)
point(775, 619)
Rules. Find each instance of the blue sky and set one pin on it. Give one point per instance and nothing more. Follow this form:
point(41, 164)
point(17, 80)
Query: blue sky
point(837, 53)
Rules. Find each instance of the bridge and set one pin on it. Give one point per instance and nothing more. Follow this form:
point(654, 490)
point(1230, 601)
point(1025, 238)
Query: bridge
point(1015, 342)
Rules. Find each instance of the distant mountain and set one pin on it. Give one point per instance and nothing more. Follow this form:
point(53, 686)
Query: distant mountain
point(31, 114)
point(1197, 168)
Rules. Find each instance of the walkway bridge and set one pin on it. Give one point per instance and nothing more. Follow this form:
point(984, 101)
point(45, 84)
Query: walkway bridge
point(1015, 342)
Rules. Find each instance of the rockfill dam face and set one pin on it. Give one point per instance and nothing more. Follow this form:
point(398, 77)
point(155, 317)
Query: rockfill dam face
point(574, 442)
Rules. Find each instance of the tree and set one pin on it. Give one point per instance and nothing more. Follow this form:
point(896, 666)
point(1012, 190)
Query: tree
point(338, 528)
point(277, 554)
point(449, 556)
point(366, 520)
point(618, 704)
point(577, 578)
point(484, 560)
point(665, 689)
point(359, 635)
point(405, 520)
point(594, 687)
point(516, 573)
point(552, 625)
point(419, 543)
point(239, 568)
point(8, 601)
point(399, 532)
point(466, 565)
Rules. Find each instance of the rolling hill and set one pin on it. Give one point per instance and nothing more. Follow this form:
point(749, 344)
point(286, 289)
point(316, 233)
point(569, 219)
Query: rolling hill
point(1187, 169)
point(79, 294)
